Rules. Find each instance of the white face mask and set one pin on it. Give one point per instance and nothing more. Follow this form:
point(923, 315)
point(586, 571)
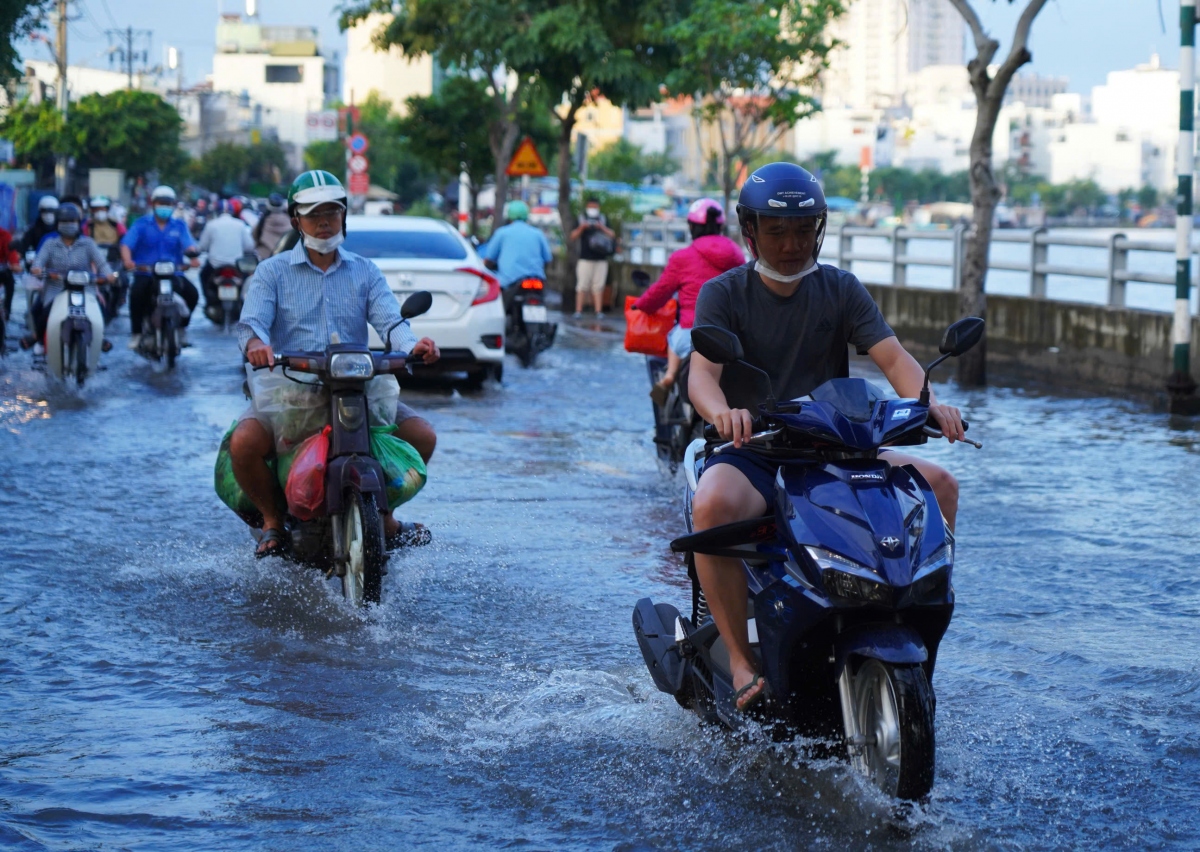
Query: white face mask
point(593, 212)
point(100, 215)
point(764, 269)
point(48, 218)
point(323, 246)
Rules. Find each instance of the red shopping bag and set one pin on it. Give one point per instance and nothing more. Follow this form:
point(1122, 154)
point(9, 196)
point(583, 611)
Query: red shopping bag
point(305, 488)
point(646, 333)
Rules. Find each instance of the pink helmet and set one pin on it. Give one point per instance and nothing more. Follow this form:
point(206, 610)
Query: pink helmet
point(698, 212)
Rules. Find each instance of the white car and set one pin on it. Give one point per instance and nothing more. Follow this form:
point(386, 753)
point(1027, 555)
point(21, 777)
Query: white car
point(467, 317)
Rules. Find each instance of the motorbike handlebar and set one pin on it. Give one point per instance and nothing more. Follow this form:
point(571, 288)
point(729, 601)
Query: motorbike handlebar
point(317, 362)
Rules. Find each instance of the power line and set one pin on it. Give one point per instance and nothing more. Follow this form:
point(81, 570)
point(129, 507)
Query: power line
point(126, 50)
point(108, 12)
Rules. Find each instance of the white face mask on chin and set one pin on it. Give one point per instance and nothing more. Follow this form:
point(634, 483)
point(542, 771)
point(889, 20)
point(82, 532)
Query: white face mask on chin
point(324, 246)
point(764, 269)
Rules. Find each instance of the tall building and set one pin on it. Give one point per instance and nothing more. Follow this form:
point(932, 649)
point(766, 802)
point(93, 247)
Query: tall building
point(390, 74)
point(278, 70)
point(887, 41)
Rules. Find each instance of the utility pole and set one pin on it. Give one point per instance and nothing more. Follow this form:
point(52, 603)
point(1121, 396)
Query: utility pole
point(128, 54)
point(60, 48)
point(1181, 387)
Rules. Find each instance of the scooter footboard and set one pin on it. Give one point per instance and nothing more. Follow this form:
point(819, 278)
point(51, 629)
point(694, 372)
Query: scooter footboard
point(654, 626)
point(888, 643)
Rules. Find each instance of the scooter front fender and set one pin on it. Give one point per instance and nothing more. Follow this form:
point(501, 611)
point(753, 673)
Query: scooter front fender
point(888, 643)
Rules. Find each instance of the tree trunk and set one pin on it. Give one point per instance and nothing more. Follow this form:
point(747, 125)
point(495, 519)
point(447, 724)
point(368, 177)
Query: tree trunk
point(972, 366)
point(502, 139)
point(566, 218)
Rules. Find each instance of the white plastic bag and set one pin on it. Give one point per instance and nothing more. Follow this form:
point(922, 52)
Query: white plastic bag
point(298, 407)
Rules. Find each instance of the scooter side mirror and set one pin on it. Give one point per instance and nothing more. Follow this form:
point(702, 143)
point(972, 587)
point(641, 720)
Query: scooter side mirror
point(246, 265)
point(719, 345)
point(416, 304)
point(961, 336)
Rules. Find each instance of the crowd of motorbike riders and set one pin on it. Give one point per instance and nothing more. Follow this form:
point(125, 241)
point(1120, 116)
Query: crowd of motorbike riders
point(74, 233)
point(776, 292)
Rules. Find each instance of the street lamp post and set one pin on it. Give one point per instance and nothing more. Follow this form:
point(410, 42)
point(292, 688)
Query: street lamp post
point(1181, 387)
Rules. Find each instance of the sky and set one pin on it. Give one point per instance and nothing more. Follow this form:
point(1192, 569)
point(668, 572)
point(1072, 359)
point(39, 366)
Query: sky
point(1079, 39)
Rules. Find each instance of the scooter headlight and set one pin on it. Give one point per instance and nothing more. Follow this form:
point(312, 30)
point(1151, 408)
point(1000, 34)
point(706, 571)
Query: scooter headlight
point(164, 267)
point(351, 365)
point(78, 277)
point(845, 578)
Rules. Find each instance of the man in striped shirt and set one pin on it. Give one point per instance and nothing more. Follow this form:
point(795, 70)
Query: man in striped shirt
point(297, 301)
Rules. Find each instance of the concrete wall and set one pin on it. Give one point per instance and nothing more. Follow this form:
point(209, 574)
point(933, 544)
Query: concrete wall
point(1063, 346)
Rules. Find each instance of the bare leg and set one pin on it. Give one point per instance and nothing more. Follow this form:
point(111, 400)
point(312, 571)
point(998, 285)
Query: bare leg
point(724, 496)
point(418, 432)
point(598, 298)
point(673, 361)
point(580, 296)
point(249, 449)
point(943, 483)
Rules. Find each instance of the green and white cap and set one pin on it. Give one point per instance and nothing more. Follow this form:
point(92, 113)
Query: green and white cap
point(314, 188)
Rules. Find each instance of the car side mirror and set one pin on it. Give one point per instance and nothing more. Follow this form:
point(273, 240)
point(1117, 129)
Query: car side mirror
point(719, 345)
point(416, 304)
point(961, 336)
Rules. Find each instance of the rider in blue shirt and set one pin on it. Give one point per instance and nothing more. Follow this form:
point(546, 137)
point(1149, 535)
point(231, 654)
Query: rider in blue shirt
point(154, 237)
point(518, 250)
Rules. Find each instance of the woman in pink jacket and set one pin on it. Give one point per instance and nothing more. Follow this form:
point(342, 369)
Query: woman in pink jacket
point(687, 270)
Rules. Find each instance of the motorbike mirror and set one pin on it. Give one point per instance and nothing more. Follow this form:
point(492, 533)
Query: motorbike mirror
point(641, 279)
point(961, 336)
point(247, 265)
point(719, 345)
point(416, 304)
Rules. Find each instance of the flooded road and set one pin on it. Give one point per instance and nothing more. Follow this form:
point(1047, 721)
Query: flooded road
point(162, 690)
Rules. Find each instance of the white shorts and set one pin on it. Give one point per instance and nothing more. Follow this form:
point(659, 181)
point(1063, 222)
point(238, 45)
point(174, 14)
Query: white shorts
point(590, 276)
point(680, 341)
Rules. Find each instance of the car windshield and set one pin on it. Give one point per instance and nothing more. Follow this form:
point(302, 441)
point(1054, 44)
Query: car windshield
point(428, 245)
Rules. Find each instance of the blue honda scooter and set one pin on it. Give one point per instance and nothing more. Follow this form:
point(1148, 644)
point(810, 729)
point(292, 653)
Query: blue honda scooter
point(849, 576)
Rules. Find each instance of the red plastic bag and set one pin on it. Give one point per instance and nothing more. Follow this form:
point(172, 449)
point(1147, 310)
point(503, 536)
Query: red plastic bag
point(647, 333)
point(305, 488)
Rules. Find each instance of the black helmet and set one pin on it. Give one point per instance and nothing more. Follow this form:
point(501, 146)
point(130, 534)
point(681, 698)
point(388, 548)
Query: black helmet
point(781, 189)
point(69, 213)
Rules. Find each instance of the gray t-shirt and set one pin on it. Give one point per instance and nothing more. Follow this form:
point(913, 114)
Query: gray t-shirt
point(801, 341)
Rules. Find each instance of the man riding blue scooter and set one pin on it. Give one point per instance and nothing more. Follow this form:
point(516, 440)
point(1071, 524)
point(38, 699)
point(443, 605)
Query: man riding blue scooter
point(795, 319)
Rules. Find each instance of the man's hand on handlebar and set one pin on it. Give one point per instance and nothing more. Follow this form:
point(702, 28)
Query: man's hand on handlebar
point(260, 354)
point(427, 350)
point(949, 420)
point(734, 424)
point(129, 265)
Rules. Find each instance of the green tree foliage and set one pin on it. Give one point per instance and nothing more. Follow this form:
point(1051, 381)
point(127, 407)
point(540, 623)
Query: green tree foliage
point(486, 36)
point(130, 130)
point(229, 168)
point(18, 18)
point(393, 165)
point(625, 161)
point(751, 65)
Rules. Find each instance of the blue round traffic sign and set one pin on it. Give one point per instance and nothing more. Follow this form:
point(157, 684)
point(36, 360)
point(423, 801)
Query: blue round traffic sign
point(358, 143)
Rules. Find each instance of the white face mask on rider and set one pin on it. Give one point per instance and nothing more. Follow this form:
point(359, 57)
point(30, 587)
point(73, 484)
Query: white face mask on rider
point(323, 246)
point(763, 268)
point(100, 215)
point(48, 218)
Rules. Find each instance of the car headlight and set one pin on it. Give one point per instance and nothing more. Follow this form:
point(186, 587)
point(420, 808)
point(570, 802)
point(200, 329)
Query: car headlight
point(351, 365)
point(845, 578)
point(164, 267)
point(933, 574)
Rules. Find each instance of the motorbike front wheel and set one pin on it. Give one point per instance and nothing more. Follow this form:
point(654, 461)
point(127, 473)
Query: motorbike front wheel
point(893, 705)
point(170, 341)
point(79, 356)
point(362, 583)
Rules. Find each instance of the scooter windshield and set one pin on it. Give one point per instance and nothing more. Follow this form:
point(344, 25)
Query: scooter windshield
point(854, 399)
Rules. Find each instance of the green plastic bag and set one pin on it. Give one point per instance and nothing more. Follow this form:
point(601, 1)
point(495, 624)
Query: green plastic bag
point(403, 467)
point(231, 493)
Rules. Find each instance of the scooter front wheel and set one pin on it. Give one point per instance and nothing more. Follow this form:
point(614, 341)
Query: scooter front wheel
point(893, 706)
point(362, 583)
point(79, 357)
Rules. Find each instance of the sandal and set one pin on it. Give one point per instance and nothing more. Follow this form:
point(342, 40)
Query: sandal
point(753, 699)
point(409, 535)
point(277, 537)
point(659, 393)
